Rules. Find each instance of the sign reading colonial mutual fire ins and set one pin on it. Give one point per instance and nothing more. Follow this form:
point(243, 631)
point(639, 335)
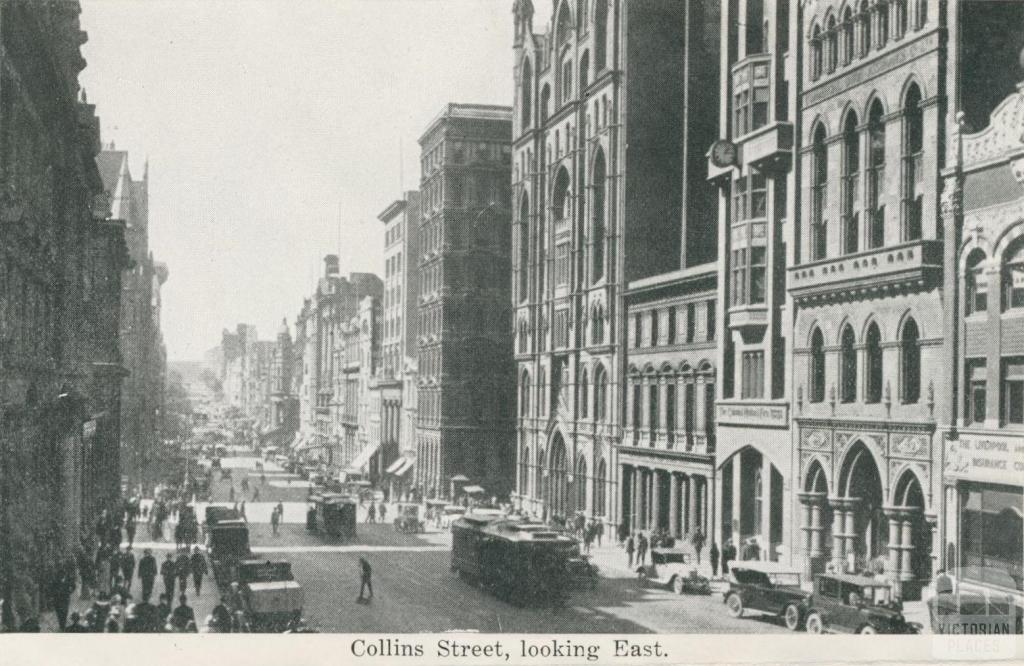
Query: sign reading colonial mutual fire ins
point(992, 459)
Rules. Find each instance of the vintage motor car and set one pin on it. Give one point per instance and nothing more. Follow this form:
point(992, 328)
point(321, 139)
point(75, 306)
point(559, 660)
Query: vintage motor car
point(845, 603)
point(767, 589)
point(272, 598)
point(227, 542)
point(408, 519)
point(672, 568)
point(332, 515)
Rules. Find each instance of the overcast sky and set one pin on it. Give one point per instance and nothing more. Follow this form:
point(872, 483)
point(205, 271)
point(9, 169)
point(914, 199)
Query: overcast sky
point(266, 121)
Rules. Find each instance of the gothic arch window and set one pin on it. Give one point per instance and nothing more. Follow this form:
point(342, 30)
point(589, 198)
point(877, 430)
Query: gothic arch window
point(816, 55)
point(1013, 276)
point(876, 176)
point(545, 103)
point(848, 39)
point(600, 482)
point(976, 283)
point(584, 71)
point(900, 7)
point(524, 472)
point(598, 222)
point(580, 481)
point(847, 365)
point(910, 362)
point(600, 35)
point(851, 181)
point(567, 68)
point(882, 9)
point(600, 393)
point(524, 248)
point(583, 393)
point(524, 394)
point(561, 201)
point(864, 28)
point(913, 164)
point(819, 194)
point(817, 379)
point(526, 95)
point(832, 37)
point(873, 365)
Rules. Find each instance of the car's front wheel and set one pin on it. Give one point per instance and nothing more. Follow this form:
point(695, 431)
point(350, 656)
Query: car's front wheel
point(814, 624)
point(867, 629)
point(792, 617)
point(735, 605)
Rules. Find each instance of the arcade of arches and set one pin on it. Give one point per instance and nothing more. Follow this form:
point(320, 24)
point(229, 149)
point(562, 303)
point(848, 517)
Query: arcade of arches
point(856, 529)
point(751, 505)
point(659, 498)
point(563, 484)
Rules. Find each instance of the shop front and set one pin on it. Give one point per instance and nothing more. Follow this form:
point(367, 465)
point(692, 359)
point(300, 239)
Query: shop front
point(984, 493)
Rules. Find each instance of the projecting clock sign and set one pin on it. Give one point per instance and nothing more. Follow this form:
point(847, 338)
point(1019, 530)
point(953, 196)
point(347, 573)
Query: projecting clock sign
point(723, 153)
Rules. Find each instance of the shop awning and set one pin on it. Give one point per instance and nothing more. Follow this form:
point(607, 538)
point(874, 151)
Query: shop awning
point(360, 461)
point(393, 467)
point(400, 466)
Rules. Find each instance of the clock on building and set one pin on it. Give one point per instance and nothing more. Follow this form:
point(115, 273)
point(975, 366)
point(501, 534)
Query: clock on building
point(723, 153)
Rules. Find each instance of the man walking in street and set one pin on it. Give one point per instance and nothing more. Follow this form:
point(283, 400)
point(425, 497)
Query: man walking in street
point(713, 554)
point(641, 549)
point(274, 521)
point(199, 570)
point(241, 511)
point(698, 542)
point(371, 513)
point(127, 565)
point(147, 573)
point(168, 573)
point(183, 568)
point(129, 529)
point(630, 548)
point(383, 512)
point(365, 580)
point(183, 615)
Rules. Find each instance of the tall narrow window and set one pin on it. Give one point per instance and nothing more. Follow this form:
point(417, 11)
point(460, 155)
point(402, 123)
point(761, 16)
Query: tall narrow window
point(864, 28)
point(819, 190)
point(882, 8)
point(671, 331)
point(583, 394)
point(832, 38)
point(689, 407)
point(817, 378)
point(848, 41)
point(848, 365)
point(873, 366)
point(910, 362)
point(655, 327)
point(922, 13)
point(1013, 277)
point(975, 395)
point(545, 103)
point(913, 167)
point(754, 22)
point(753, 375)
point(876, 176)
point(976, 283)
point(653, 413)
point(600, 393)
point(816, 55)
point(566, 80)
point(524, 395)
point(524, 249)
point(691, 322)
point(670, 412)
point(851, 182)
point(638, 330)
point(600, 36)
point(526, 96)
point(584, 72)
point(901, 18)
point(598, 222)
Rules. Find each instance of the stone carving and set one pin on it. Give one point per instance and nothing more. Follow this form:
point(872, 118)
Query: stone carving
point(909, 446)
point(816, 439)
point(1004, 134)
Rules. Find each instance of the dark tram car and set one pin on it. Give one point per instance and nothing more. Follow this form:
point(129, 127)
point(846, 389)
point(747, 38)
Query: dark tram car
point(520, 562)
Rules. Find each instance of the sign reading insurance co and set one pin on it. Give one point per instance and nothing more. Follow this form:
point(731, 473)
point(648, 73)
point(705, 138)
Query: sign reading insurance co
point(986, 458)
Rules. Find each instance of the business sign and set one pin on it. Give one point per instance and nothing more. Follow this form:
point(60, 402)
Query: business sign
point(753, 414)
point(987, 459)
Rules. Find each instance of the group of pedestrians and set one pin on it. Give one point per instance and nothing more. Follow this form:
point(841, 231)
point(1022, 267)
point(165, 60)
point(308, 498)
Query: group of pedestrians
point(373, 513)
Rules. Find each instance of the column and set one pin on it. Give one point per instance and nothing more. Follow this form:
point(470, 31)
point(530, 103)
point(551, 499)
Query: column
point(907, 547)
point(838, 543)
point(641, 512)
point(737, 523)
point(662, 408)
point(673, 506)
point(895, 537)
point(634, 514)
point(691, 505)
point(699, 426)
point(705, 513)
point(656, 498)
point(649, 505)
point(717, 533)
point(766, 508)
point(850, 530)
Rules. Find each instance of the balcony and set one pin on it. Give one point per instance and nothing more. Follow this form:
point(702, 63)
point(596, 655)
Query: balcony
point(769, 148)
point(908, 265)
point(748, 316)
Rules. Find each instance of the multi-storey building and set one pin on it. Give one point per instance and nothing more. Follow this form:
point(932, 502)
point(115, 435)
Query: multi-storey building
point(141, 338)
point(593, 218)
point(284, 404)
point(398, 336)
point(60, 298)
point(371, 458)
point(982, 211)
point(865, 282)
point(465, 390)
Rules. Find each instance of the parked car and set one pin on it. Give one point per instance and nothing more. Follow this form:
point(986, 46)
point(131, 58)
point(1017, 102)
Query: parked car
point(844, 603)
point(672, 568)
point(767, 589)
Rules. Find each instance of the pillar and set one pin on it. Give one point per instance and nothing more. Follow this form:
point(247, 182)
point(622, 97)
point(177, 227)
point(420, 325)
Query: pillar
point(737, 523)
point(673, 506)
point(895, 537)
point(717, 532)
point(691, 505)
point(906, 547)
point(766, 508)
point(838, 542)
point(849, 529)
point(704, 506)
point(634, 515)
point(655, 499)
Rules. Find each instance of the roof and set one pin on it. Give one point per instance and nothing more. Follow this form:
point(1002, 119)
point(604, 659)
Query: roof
point(460, 111)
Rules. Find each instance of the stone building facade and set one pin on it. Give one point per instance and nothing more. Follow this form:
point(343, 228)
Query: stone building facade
point(61, 259)
point(465, 378)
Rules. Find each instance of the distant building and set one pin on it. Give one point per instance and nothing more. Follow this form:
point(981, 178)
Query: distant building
point(466, 377)
point(284, 402)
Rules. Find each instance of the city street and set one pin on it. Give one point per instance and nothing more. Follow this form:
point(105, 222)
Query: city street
point(415, 591)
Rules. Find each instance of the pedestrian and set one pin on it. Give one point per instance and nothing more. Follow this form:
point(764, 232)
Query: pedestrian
point(245, 484)
point(147, 573)
point(383, 512)
point(641, 549)
point(255, 493)
point(128, 567)
point(600, 532)
point(698, 542)
point(163, 611)
point(280, 510)
point(588, 537)
point(76, 626)
point(365, 579)
point(183, 568)
point(727, 555)
point(371, 513)
point(241, 511)
point(274, 521)
point(103, 566)
point(129, 529)
point(183, 615)
point(713, 554)
point(220, 621)
point(168, 573)
point(62, 586)
point(85, 570)
point(231, 493)
point(199, 569)
point(630, 548)
point(623, 532)
point(263, 479)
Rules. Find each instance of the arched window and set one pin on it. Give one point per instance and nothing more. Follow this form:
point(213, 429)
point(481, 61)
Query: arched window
point(901, 18)
point(561, 200)
point(600, 35)
point(976, 283)
point(538, 475)
point(600, 481)
point(654, 409)
point(524, 394)
point(913, 165)
point(524, 249)
point(567, 67)
point(832, 35)
point(581, 16)
point(817, 366)
point(524, 472)
point(864, 28)
point(1013, 276)
point(922, 13)
point(873, 366)
point(580, 481)
point(583, 394)
point(758, 495)
point(848, 41)
point(816, 57)
point(584, 71)
point(526, 96)
point(545, 102)
point(910, 362)
point(876, 176)
point(542, 392)
point(600, 393)
point(819, 195)
point(851, 179)
point(598, 222)
point(597, 325)
point(882, 8)
point(848, 365)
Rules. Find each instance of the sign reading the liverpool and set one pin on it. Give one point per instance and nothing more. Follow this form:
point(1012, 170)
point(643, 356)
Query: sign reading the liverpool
point(991, 459)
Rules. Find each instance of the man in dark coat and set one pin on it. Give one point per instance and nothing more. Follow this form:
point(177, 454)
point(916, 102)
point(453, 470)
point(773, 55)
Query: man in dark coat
point(365, 579)
point(199, 570)
point(641, 549)
point(168, 572)
point(183, 568)
point(129, 528)
point(147, 573)
point(728, 553)
point(698, 542)
point(163, 611)
point(62, 586)
point(183, 615)
point(630, 549)
point(128, 567)
point(76, 626)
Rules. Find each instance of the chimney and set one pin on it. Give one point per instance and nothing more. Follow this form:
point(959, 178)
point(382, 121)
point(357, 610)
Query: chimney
point(331, 265)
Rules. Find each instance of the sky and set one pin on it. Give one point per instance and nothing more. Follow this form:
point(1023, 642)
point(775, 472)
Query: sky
point(277, 131)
